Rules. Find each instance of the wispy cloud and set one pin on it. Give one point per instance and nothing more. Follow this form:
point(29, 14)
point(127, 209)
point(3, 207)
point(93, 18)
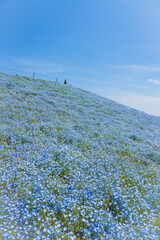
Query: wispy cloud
point(26, 67)
point(92, 45)
point(38, 66)
point(91, 80)
point(154, 81)
point(144, 68)
point(154, 49)
point(144, 103)
point(30, 66)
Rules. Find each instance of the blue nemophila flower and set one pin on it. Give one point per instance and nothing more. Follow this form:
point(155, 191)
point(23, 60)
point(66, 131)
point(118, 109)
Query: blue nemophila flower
point(75, 165)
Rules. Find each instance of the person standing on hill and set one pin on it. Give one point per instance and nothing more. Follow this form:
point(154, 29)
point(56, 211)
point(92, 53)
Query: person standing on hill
point(65, 81)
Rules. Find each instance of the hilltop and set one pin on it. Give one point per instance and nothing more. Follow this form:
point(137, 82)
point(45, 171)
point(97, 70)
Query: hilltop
point(75, 165)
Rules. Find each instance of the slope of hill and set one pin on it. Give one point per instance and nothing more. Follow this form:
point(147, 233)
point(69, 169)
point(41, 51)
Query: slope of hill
point(75, 165)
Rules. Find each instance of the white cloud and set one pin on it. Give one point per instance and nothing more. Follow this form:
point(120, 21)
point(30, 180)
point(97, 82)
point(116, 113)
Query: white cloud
point(30, 66)
point(90, 80)
point(38, 66)
point(154, 49)
point(154, 81)
point(91, 45)
point(148, 104)
point(142, 68)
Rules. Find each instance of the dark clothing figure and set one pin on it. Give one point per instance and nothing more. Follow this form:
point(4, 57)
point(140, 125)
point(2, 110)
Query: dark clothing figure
point(65, 81)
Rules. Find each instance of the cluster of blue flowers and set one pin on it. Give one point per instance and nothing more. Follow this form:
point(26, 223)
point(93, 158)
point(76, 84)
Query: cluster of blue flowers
point(75, 165)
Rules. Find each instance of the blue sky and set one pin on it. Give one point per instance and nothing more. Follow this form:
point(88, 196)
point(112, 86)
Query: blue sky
point(110, 47)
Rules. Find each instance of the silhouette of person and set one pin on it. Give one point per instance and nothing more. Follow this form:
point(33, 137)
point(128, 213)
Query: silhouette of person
point(65, 81)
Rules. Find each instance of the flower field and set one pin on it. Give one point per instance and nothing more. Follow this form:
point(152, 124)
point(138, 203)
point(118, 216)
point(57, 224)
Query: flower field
point(75, 165)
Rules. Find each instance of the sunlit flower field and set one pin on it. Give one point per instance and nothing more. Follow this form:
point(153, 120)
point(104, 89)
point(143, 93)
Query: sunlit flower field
point(75, 165)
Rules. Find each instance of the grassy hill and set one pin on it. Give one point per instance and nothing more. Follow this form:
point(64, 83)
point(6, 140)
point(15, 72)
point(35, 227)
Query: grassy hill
point(75, 165)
